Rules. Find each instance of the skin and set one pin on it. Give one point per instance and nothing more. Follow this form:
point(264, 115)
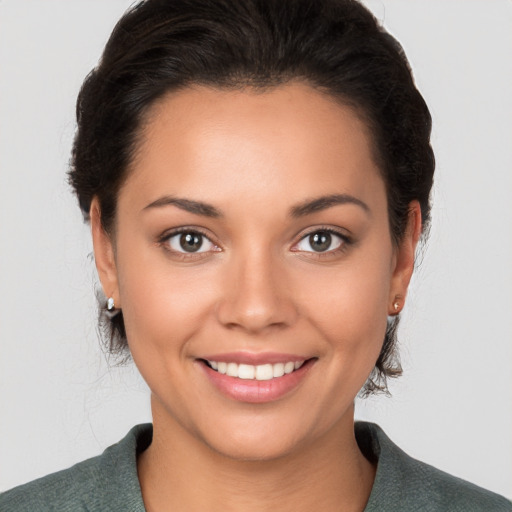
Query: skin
point(258, 287)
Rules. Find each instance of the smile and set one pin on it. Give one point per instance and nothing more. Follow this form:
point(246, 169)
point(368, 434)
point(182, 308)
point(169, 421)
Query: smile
point(269, 378)
point(255, 372)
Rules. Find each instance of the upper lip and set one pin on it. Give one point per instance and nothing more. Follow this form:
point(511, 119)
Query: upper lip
point(254, 359)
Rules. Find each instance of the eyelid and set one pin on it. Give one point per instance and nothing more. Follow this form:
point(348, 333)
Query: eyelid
point(164, 238)
point(346, 241)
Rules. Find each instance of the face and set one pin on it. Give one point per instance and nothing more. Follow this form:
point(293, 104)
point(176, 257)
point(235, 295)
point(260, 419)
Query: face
point(254, 265)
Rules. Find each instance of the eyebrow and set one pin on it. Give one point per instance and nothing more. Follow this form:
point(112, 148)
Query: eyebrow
point(301, 210)
point(322, 203)
point(197, 207)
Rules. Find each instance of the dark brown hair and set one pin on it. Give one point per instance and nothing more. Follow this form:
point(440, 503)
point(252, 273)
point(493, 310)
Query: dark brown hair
point(336, 46)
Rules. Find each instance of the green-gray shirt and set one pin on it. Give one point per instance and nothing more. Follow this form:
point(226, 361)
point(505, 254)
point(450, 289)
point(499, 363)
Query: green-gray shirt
point(109, 482)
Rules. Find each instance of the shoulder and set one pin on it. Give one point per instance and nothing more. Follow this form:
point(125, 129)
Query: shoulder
point(106, 482)
point(403, 483)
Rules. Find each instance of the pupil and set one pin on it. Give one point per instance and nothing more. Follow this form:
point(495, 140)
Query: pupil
point(320, 241)
point(191, 242)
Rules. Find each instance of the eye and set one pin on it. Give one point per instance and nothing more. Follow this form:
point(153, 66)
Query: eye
point(320, 241)
point(190, 242)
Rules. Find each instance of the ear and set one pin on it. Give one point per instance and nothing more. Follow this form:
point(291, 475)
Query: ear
point(404, 260)
point(104, 254)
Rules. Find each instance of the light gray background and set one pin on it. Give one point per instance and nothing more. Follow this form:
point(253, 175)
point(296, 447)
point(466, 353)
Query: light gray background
point(59, 401)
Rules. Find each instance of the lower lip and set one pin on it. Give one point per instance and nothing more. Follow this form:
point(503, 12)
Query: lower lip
point(257, 391)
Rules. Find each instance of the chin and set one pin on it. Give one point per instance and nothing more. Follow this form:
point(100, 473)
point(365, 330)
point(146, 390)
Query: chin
point(261, 437)
point(254, 449)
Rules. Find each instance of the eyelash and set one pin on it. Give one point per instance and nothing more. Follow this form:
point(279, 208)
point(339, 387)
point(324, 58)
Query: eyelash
point(164, 239)
point(346, 242)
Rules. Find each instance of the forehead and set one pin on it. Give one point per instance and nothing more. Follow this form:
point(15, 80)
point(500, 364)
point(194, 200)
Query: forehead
point(224, 144)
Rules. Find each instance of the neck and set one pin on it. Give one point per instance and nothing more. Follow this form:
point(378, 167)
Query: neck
point(179, 472)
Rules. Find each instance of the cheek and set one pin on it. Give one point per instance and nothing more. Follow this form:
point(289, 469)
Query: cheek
point(353, 297)
point(353, 324)
point(163, 304)
point(349, 307)
point(164, 309)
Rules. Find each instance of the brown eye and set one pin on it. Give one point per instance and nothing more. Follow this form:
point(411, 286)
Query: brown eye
point(190, 242)
point(320, 241)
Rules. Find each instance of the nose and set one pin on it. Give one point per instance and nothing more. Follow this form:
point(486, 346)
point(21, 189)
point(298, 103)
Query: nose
point(256, 296)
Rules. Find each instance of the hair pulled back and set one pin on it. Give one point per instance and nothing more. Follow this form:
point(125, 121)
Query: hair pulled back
point(336, 46)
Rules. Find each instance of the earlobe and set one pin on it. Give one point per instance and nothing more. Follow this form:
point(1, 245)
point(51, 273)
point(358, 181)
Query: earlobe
point(405, 257)
point(104, 255)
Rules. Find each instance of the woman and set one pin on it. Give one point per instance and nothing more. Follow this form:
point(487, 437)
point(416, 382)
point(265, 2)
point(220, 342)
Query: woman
point(257, 178)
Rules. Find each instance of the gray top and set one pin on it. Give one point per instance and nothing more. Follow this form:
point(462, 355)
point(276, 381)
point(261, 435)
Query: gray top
point(109, 482)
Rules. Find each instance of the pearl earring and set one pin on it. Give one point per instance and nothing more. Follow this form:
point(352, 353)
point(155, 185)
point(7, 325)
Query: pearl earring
point(397, 303)
point(110, 304)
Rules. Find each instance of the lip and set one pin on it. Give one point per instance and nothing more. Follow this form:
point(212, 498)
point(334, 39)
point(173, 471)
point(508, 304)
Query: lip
point(256, 391)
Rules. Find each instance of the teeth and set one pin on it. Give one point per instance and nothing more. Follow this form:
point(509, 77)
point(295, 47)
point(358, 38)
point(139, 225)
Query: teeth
point(251, 372)
point(232, 370)
point(289, 367)
point(246, 371)
point(278, 370)
point(264, 372)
